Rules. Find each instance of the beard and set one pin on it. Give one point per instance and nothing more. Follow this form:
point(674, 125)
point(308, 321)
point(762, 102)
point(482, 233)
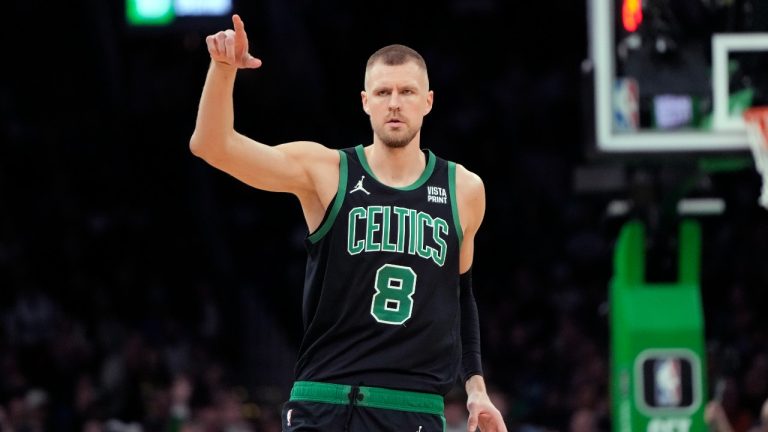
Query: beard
point(397, 139)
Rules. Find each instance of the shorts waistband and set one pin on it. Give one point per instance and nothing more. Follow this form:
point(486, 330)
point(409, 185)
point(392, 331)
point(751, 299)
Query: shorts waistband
point(373, 397)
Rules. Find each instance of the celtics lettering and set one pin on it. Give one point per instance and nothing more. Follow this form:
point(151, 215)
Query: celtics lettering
point(397, 230)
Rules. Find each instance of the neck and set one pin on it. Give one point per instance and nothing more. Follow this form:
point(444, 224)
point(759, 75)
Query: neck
point(396, 167)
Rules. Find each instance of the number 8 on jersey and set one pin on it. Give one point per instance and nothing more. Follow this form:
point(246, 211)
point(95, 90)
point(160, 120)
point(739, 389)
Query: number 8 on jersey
point(393, 301)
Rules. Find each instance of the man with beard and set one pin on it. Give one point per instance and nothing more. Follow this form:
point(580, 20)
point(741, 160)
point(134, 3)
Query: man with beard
point(389, 316)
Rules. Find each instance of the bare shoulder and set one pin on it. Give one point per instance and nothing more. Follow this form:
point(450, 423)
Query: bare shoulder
point(321, 166)
point(318, 161)
point(469, 186)
point(470, 197)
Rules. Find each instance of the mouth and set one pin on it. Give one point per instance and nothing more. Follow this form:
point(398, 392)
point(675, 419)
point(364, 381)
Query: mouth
point(395, 122)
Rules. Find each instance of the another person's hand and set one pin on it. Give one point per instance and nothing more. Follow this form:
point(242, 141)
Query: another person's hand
point(483, 414)
point(230, 47)
point(715, 417)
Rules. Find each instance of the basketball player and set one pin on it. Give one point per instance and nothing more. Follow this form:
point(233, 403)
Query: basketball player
point(388, 303)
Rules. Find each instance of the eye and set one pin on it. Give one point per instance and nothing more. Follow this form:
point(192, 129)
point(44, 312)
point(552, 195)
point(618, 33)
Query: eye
point(407, 92)
point(382, 92)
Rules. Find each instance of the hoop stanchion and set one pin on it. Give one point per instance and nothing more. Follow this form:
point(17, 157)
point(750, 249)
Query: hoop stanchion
point(756, 120)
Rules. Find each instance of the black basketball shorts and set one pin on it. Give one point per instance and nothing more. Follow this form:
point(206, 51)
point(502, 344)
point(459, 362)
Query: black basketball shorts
point(323, 407)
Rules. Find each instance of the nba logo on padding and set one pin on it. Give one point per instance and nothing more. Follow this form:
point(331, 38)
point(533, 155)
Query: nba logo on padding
point(667, 381)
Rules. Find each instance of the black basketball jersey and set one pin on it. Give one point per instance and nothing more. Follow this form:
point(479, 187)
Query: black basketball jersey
point(381, 294)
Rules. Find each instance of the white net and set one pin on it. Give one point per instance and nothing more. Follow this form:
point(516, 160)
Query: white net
point(756, 120)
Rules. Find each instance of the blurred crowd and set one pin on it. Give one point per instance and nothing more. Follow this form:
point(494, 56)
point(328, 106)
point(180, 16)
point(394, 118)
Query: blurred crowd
point(143, 339)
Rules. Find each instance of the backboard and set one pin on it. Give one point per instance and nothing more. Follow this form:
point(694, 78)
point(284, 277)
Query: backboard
point(676, 75)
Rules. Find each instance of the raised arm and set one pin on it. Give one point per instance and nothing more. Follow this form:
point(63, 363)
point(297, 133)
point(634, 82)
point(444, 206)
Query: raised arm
point(306, 169)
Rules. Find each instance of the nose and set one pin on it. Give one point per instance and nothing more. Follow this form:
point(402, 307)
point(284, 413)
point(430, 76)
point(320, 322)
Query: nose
point(394, 101)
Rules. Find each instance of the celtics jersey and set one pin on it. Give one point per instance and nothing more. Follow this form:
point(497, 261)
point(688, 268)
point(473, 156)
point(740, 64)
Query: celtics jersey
point(381, 295)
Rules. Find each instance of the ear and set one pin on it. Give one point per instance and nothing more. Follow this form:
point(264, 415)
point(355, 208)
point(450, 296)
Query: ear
point(364, 100)
point(430, 99)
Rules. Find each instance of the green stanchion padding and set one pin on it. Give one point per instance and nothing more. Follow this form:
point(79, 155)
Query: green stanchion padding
point(629, 258)
point(689, 259)
point(657, 338)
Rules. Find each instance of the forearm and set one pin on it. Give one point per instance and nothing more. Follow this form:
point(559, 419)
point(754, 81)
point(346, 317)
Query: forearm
point(471, 358)
point(721, 425)
point(715, 417)
point(214, 127)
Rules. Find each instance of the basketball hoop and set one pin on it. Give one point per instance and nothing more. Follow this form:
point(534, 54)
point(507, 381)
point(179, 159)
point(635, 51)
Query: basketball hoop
point(756, 120)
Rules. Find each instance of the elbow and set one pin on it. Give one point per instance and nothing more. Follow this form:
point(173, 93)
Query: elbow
point(196, 145)
point(213, 147)
point(204, 148)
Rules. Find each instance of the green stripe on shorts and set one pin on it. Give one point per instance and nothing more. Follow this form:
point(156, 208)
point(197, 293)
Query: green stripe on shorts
point(372, 397)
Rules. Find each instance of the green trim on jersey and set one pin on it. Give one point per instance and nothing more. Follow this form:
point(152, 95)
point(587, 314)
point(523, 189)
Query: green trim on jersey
point(372, 397)
point(420, 181)
point(454, 202)
point(337, 201)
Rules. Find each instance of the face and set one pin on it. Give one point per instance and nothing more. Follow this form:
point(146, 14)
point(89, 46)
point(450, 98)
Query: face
point(396, 99)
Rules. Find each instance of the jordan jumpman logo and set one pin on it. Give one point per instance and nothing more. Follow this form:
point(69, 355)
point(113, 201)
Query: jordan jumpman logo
point(359, 187)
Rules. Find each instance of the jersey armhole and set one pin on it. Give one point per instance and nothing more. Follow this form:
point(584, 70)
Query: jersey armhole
point(338, 200)
point(454, 203)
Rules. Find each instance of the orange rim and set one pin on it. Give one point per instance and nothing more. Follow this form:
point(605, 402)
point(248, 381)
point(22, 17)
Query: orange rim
point(758, 116)
point(755, 113)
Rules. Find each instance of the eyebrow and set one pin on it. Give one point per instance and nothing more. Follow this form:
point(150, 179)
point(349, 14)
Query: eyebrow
point(391, 86)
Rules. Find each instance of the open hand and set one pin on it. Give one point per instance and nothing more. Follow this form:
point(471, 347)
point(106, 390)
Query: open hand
point(484, 415)
point(231, 46)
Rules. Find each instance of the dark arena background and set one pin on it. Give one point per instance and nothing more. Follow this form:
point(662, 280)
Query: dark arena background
point(143, 290)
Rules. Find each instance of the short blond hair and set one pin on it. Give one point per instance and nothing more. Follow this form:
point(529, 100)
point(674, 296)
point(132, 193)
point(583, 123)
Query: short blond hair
point(394, 55)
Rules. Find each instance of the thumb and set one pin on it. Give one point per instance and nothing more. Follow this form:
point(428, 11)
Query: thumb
point(252, 62)
point(472, 422)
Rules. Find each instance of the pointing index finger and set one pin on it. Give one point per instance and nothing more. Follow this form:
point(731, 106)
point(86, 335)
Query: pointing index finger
point(238, 23)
